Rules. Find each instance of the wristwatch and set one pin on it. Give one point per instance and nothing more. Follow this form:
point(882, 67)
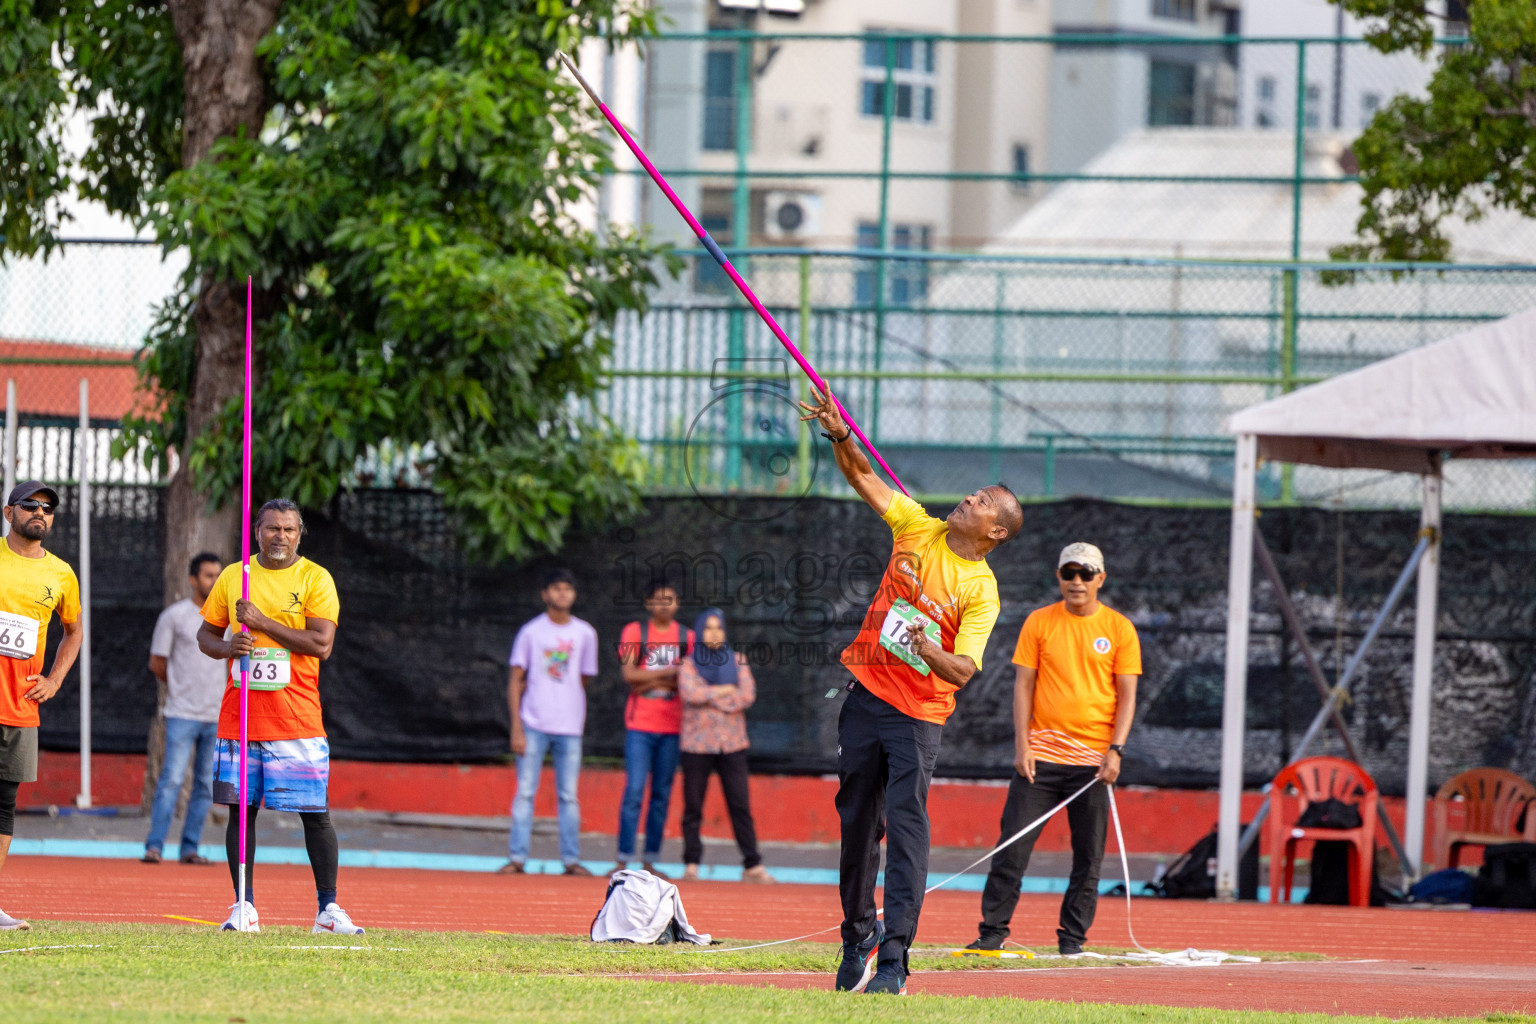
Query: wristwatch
point(1118, 748)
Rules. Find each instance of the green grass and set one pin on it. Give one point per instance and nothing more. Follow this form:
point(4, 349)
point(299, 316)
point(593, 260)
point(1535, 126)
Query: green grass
point(124, 972)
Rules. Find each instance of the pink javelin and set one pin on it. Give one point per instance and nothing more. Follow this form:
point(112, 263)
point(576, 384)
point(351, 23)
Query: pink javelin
point(245, 594)
point(725, 264)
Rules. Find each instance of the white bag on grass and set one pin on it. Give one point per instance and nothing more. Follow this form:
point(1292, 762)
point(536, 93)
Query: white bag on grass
point(642, 908)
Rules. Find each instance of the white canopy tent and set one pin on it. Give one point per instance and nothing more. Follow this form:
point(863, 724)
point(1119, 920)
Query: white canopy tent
point(1470, 396)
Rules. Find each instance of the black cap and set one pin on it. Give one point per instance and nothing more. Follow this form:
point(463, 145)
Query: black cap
point(554, 576)
point(30, 487)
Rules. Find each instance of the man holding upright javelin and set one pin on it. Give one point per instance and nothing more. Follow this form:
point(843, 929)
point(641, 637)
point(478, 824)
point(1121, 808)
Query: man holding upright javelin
point(921, 641)
point(291, 618)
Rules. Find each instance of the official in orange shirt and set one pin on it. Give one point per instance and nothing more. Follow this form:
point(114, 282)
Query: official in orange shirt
point(921, 641)
point(1074, 698)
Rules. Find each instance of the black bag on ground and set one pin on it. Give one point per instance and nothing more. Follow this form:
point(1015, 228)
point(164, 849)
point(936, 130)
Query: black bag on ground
point(1329, 879)
point(1192, 876)
point(1507, 878)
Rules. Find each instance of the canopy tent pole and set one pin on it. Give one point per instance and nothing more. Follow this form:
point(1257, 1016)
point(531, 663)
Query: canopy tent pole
point(1423, 669)
point(10, 447)
point(1233, 710)
point(84, 518)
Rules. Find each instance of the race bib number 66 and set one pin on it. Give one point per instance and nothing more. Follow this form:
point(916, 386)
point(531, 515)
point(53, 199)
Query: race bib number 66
point(18, 636)
point(270, 669)
point(893, 633)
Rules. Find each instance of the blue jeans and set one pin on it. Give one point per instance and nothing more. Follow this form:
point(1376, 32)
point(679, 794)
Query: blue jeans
point(565, 751)
point(182, 735)
point(651, 754)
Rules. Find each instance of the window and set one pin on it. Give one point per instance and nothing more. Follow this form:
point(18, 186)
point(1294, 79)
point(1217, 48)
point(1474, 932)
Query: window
point(1314, 117)
point(1370, 102)
point(1178, 10)
point(1171, 93)
point(906, 281)
point(1021, 180)
point(1265, 119)
point(720, 100)
point(1267, 88)
point(913, 63)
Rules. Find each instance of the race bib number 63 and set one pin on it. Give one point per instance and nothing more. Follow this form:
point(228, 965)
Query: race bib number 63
point(893, 633)
point(270, 669)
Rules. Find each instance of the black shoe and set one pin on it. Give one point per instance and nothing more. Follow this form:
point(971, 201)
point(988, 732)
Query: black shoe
point(1069, 949)
point(986, 942)
point(858, 964)
point(890, 979)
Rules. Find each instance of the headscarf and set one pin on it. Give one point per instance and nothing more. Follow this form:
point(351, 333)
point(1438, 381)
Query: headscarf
point(716, 665)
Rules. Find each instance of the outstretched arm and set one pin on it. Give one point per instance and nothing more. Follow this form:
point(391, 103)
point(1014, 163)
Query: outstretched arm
point(850, 458)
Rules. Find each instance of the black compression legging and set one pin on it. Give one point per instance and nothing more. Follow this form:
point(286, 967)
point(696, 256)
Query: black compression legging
point(319, 841)
point(8, 807)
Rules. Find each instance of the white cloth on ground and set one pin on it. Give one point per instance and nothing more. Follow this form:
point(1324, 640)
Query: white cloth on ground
point(638, 908)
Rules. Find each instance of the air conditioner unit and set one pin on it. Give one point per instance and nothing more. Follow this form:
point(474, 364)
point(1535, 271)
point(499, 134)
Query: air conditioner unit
point(791, 216)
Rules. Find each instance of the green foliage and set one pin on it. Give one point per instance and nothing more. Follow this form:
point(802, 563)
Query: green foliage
point(406, 213)
point(1467, 147)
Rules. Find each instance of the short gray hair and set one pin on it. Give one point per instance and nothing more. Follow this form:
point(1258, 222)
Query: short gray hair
point(281, 505)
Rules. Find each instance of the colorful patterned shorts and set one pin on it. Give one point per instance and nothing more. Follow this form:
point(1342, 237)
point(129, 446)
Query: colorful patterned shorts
point(286, 775)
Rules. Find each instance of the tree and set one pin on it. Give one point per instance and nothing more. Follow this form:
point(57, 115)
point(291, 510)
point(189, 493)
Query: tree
point(1466, 147)
point(399, 179)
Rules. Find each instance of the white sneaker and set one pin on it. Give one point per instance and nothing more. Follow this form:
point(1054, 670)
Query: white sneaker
point(11, 924)
point(334, 921)
point(241, 922)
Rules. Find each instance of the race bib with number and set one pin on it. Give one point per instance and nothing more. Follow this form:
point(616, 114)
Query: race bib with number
point(18, 636)
point(893, 633)
point(269, 669)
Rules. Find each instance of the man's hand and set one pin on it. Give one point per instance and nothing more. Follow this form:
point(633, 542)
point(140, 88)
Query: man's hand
point(1024, 763)
point(251, 616)
point(241, 644)
point(826, 413)
point(42, 689)
point(918, 642)
point(1109, 771)
point(519, 739)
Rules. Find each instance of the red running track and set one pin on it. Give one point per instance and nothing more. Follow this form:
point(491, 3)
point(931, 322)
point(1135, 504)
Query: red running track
point(1430, 963)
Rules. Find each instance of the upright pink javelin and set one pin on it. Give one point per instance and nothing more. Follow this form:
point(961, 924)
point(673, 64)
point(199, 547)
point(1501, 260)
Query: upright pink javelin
point(245, 593)
point(725, 264)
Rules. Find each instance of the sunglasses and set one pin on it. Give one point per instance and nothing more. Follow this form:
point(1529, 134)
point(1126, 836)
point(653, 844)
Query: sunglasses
point(32, 505)
point(1086, 575)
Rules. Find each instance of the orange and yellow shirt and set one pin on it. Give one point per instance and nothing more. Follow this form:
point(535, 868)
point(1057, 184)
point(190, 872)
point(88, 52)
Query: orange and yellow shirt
point(1076, 658)
point(288, 597)
point(31, 590)
point(954, 598)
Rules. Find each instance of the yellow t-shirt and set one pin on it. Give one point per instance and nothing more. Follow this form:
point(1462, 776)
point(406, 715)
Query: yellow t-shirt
point(32, 589)
point(1077, 658)
point(288, 597)
point(924, 575)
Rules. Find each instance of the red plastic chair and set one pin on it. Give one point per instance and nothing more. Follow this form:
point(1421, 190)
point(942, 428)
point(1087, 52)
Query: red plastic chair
point(1308, 781)
point(1493, 799)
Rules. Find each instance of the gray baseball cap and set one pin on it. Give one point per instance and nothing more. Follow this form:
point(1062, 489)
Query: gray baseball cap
point(1085, 555)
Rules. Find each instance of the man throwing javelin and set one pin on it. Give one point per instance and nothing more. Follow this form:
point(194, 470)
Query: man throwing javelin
point(1074, 698)
point(291, 618)
point(34, 584)
point(921, 641)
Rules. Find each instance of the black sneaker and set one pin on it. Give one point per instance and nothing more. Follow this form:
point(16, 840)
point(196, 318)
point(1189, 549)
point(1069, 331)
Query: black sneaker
point(858, 964)
point(890, 979)
point(986, 942)
point(1069, 949)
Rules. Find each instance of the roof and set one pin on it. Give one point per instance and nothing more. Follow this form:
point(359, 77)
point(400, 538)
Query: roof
point(48, 378)
point(1230, 220)
point(1472, 395)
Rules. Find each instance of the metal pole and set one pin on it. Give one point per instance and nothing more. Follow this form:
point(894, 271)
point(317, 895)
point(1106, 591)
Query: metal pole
point(887, 114)
point(1234, 702)
point(84, 512)
point(1292, 279)
point(1293, 623)
point(1342, 689)
point(803, 439)
point(1423, 673)
point(995, 456)
point(10, 447)
point(741, 204)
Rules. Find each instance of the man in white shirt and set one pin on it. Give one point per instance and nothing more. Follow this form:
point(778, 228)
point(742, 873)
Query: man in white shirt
point(554, 658)
point(194, 689)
